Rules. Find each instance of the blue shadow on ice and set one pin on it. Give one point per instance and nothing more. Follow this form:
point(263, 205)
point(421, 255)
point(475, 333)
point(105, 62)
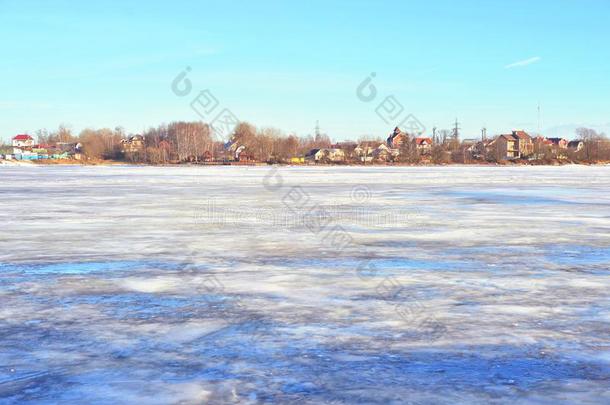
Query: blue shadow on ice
point(75, 268)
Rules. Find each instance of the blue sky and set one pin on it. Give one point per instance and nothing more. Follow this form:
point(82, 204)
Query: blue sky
point(288, 64)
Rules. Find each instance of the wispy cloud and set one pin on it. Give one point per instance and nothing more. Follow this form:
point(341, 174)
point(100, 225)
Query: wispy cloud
point(523, 63)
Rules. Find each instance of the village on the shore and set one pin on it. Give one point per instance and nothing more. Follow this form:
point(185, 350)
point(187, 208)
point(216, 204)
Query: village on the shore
point(194, 142)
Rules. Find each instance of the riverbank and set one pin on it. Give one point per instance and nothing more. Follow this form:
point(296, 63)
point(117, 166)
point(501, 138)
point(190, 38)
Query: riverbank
point(189, 164)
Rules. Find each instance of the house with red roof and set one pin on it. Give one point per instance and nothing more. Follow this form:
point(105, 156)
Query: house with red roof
point(423, 145)
point(397, 138)
point(23, 141)
point(550, 147)
point(516, 145)
point(559, 143)
point(525, 143)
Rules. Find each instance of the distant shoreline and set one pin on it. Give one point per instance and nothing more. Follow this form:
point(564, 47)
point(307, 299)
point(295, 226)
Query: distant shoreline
point(42, 163)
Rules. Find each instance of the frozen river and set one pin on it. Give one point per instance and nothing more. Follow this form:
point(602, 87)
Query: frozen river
point(315, 285)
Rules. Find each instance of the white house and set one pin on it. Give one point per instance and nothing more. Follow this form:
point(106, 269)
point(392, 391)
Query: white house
point(384, 153)
point(326, 155)
point(21, 142)
point(576, 146)
point(364, 151)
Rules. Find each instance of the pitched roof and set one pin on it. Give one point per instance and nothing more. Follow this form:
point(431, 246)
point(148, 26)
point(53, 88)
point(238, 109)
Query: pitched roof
point(394, 136)
point(23, 137)
point(420, 141)
point(542, 140)
point(522, 135)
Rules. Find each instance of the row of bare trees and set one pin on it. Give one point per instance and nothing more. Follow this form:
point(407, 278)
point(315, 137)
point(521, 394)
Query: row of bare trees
point(195, 142)
point(596, 146)
point(186, 142)
point(271, 145)
point(178, 141)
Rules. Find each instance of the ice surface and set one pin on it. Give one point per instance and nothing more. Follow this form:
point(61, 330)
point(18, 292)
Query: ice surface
point(334, 285)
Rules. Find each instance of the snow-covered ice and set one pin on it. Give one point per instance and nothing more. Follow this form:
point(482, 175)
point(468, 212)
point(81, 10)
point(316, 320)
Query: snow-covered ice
point(420, 285)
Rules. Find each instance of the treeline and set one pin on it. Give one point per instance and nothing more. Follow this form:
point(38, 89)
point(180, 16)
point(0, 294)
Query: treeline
point(448, 149)
point(187, 142)
point(596, 146)
point(195, 142)
point(179, 142)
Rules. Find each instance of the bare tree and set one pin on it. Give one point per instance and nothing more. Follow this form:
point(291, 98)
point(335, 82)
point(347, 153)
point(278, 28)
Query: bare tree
point(439, 155)
point(408, 151)
point(593, 143)
point(64, 134)
point(100, 143)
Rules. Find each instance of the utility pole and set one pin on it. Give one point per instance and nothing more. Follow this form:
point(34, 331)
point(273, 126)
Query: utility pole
point(538, 117)
point(456, 130)
point(483, 134)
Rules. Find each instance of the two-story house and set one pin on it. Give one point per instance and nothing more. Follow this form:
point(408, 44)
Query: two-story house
point(517, 145)
point(22, 142)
